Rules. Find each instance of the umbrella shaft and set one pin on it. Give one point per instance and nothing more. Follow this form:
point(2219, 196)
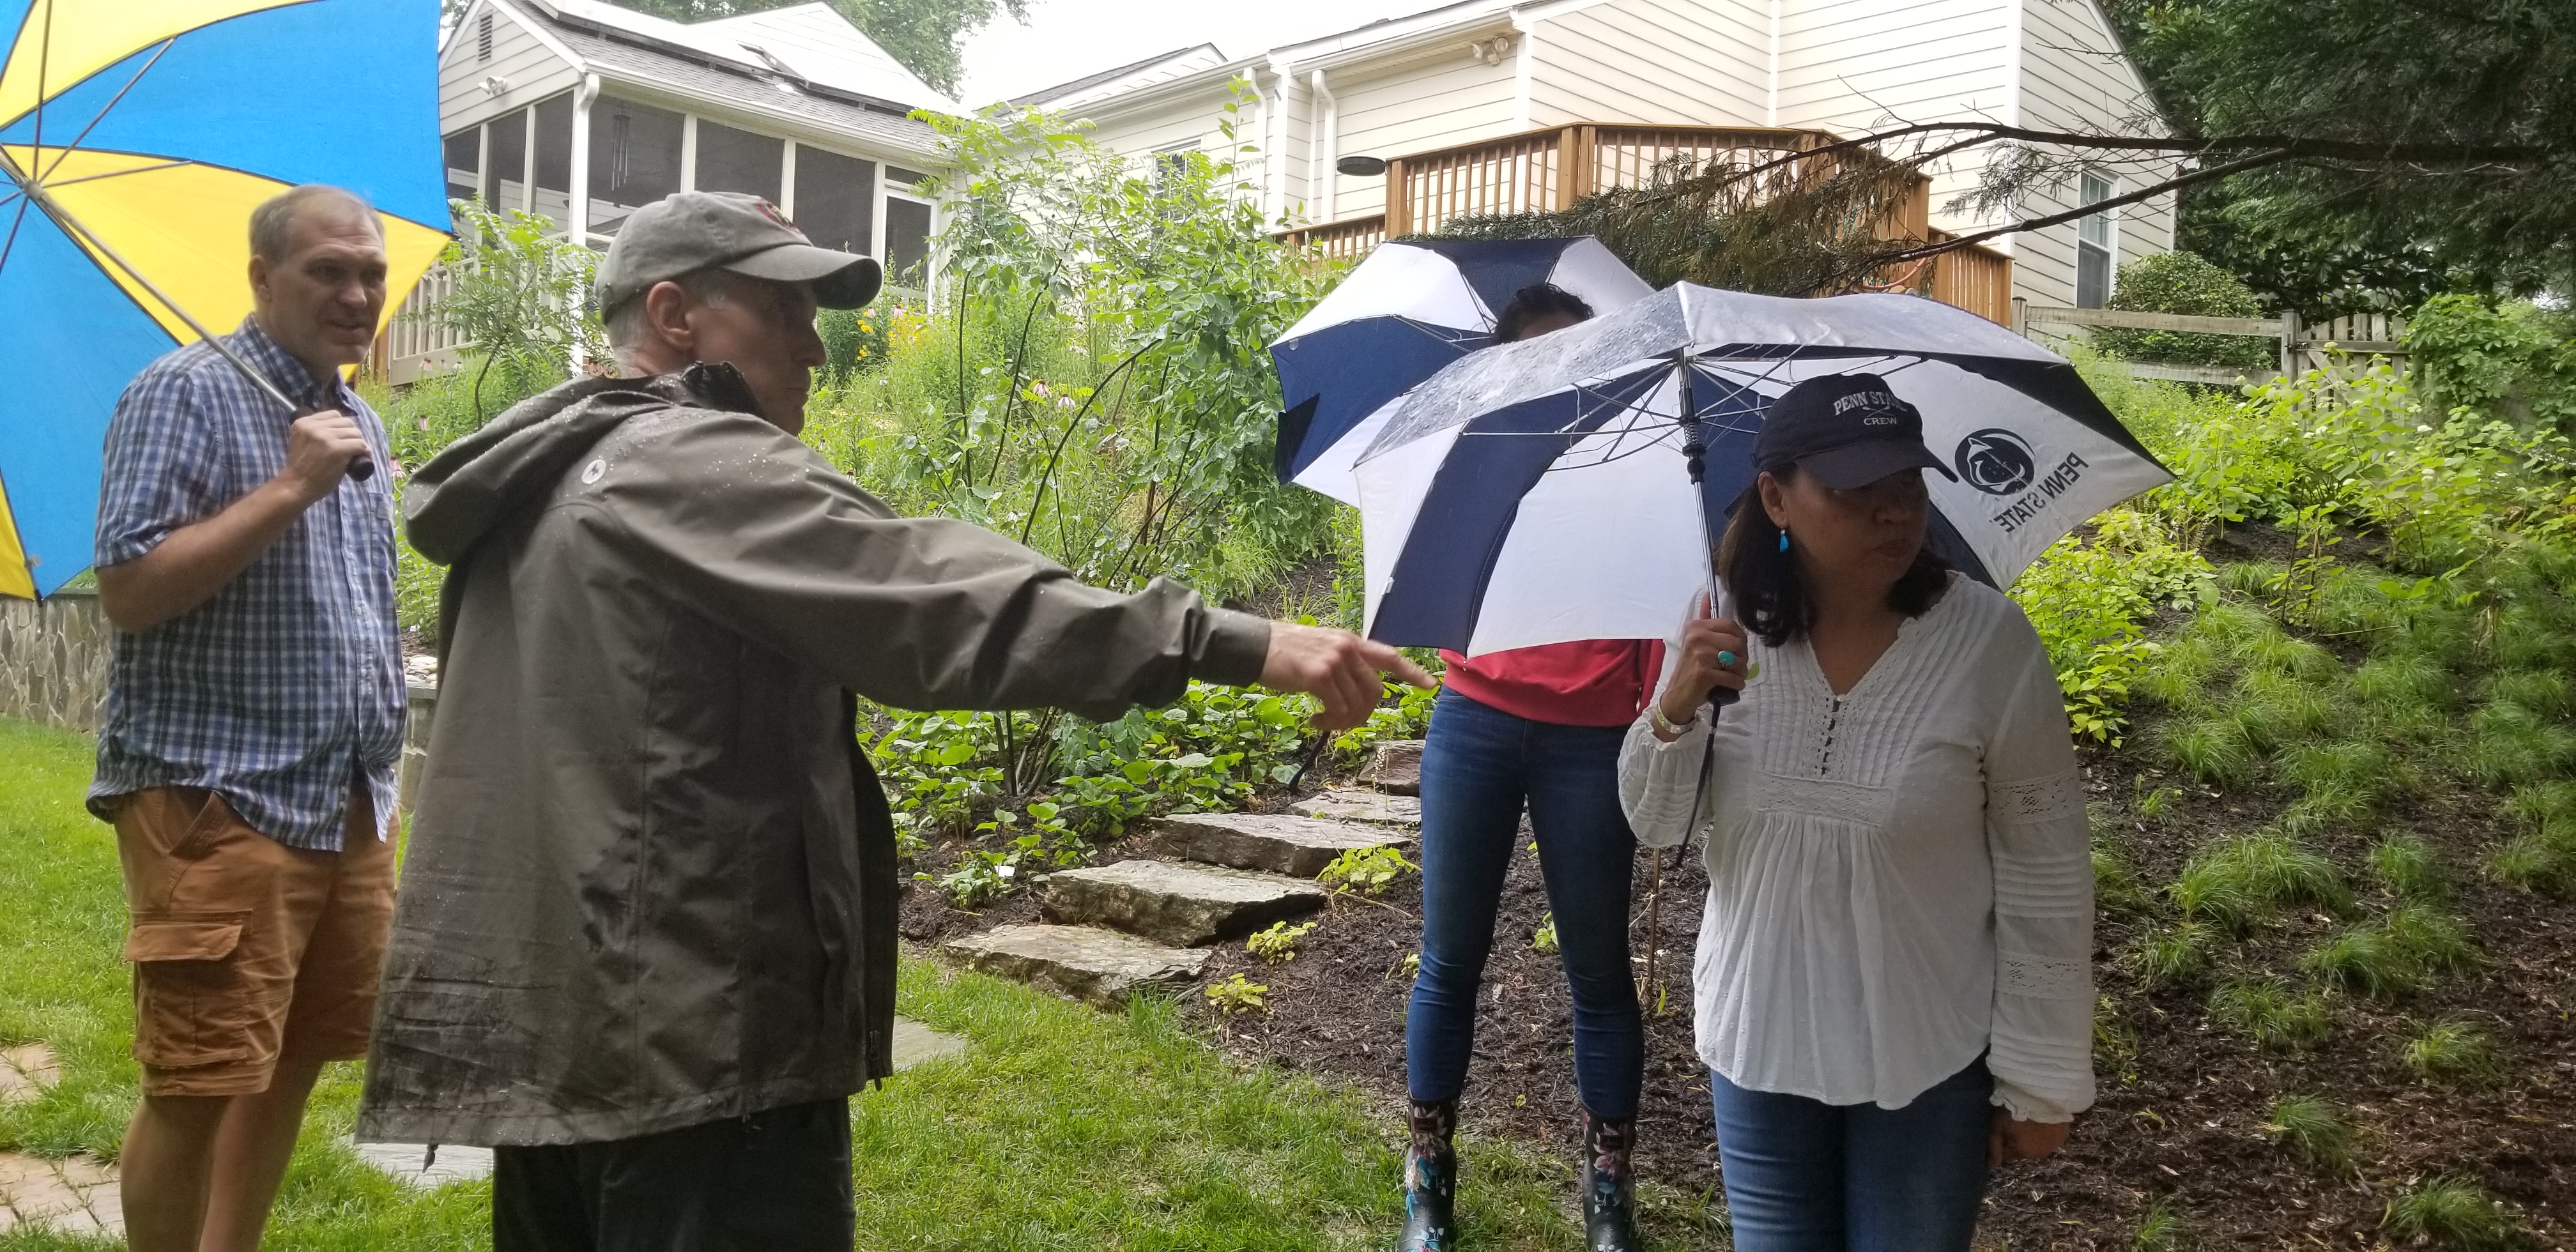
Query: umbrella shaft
point(35, 190)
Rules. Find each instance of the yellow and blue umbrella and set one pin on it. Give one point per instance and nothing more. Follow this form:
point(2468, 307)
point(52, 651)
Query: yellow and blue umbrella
point(137, 136)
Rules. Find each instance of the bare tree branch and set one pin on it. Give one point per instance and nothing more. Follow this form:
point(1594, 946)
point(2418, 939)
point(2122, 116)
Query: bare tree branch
point(2203, 174)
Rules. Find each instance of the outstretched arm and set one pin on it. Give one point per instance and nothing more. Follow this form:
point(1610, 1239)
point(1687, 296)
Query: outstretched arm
point(930, 613)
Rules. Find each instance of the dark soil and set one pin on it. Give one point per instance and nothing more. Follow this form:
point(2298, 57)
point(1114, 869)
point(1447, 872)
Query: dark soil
point(2181, 1111)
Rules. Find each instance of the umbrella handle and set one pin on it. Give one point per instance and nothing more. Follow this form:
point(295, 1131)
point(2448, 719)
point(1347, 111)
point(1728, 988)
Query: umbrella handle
point(1695, 460)
point(361, 467)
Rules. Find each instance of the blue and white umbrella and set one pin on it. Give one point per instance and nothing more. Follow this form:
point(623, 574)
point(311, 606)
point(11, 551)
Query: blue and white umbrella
point(1396, 319)
point(1539, 492)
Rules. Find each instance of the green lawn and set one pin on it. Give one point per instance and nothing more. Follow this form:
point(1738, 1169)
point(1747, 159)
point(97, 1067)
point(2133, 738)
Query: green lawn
point(1060, 1128)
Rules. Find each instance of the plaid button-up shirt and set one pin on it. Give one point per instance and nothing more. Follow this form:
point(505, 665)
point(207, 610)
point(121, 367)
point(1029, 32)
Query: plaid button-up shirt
point(286, 687)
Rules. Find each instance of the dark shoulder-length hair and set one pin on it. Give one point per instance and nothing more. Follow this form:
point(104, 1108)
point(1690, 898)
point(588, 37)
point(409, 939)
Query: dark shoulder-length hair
point(1769, 599)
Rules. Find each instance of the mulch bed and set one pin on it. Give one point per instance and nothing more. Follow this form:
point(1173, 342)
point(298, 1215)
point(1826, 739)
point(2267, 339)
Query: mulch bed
point(2179, 1120)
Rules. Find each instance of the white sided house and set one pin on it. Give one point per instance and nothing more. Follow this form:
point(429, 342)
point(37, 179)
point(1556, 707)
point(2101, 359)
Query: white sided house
point(1489, 106)
point(580, 112)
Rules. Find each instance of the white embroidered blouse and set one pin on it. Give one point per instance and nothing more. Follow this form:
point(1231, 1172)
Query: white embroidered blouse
point(1899, 877)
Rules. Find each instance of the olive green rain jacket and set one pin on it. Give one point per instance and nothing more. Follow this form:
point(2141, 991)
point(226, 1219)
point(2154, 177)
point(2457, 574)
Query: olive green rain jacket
point(651, 877)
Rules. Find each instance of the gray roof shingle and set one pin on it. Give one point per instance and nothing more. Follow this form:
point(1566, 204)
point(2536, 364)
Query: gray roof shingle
point(724, 85)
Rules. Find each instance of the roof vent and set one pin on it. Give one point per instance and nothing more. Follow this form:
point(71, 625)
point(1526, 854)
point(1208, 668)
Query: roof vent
point(483, 37)
point(771, 60)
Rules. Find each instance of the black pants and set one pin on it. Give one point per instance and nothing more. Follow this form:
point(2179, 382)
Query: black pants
point(776, 1181)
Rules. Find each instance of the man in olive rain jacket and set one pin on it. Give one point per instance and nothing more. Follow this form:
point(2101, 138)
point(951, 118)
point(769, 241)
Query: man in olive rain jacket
point(646, 937)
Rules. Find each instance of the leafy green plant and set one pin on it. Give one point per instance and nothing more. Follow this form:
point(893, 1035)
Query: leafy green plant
point(2214, 750)
point(1236, 995)
point(2543, 691)
point(2181, 282)
point(2088, 597)
point(2393, 955)
point(980, 875)
point(2407, 867)
point(2115, 1040)
point(1544, 939)
point(2238, 879)
point(2174, 956)
point(2402, 680)
point(1368, 871)
point(2115, 889)
point(521, 298)
point(2453, 1211)
point(1406, 715)
point(1278, 944)
point(2317, 1131)
point(2163, 1228)
point(2509, 744)
point(2250, 578)
point(2453, 1051)
point(2272, 1016)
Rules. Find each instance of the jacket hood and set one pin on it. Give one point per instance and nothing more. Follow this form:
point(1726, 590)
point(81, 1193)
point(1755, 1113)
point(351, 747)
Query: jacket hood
point(517, 459)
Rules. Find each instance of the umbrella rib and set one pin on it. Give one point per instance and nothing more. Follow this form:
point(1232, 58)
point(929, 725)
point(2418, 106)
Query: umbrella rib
point(109, 107)
point(140, 169)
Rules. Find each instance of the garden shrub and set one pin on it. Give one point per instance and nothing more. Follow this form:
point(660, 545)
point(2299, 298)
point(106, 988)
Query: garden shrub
point(2181, 282)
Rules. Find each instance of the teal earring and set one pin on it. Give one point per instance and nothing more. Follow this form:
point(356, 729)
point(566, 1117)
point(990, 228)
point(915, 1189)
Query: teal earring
point(1784, 541)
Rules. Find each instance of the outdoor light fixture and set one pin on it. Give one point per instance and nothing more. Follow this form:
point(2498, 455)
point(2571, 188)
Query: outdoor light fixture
point(1361, 166)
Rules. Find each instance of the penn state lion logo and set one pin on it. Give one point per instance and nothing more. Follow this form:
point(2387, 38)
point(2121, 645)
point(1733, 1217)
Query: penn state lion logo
point(1996, 462)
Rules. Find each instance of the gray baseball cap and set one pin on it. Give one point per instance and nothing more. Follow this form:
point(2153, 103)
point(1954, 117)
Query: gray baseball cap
point(694, 230)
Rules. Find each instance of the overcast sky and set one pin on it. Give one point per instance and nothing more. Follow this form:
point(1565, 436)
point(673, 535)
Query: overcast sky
point(1068, 39)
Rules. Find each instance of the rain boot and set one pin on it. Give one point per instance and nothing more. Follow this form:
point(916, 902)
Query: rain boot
point(1609, 1187)
point(1431, 1178)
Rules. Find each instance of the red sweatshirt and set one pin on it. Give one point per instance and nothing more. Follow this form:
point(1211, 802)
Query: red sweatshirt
point(1597, 682)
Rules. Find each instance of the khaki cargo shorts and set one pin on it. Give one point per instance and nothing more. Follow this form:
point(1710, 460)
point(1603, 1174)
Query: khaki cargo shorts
point(245, 949)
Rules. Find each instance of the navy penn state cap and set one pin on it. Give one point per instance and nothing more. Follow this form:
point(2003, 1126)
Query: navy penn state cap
point(1849, 430)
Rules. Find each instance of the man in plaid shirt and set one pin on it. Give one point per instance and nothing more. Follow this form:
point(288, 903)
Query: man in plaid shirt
point(254, 718)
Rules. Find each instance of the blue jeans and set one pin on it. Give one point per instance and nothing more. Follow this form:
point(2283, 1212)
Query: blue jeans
point(1478, 765)
point(1806, 1176)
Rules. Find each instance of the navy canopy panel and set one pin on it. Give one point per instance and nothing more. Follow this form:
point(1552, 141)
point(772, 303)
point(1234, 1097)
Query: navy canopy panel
point(1343, 373)
point(1497, 269)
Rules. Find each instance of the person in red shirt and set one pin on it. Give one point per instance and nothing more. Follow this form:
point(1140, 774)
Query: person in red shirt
point(1540, 727)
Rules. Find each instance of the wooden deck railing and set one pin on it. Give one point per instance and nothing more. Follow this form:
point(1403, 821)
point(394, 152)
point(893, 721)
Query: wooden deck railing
point(1345, 240)
point(1544, 170)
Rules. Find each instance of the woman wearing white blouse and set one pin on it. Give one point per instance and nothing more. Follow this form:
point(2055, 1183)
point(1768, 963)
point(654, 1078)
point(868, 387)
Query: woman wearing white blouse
point(1900, 910)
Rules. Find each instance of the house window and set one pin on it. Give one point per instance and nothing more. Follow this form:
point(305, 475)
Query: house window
point(634, 160)
point(835, 198)
point(508, 187)
point(464, 161)
point(554, 160)
point(738, 160)
point(2097, 242)
point(907, 242)
point(900, 179)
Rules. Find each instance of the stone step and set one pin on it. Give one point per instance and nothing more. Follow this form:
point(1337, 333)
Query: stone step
point(1395, 767)
point(1084, 962)
point(1180, 905)
point(1347, 805)
point(1299, 847)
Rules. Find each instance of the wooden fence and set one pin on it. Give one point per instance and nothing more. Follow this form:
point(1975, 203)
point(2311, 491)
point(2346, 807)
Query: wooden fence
point(2298, 348)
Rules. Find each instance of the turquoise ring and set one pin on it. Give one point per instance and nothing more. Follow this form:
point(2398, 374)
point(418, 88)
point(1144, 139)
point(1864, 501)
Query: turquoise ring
point(1726, 658)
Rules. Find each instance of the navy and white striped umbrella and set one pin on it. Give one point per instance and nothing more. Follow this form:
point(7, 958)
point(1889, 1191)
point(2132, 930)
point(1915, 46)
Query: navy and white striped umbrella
point(1396, 319)
point(1538, 492)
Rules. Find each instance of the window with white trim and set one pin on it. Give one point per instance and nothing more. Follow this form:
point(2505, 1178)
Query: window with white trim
point(2097, 241)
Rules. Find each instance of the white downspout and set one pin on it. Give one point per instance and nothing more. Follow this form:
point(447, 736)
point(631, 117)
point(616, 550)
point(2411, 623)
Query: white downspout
point(1274, 149)
point(1323, 149)
point(577, 214)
